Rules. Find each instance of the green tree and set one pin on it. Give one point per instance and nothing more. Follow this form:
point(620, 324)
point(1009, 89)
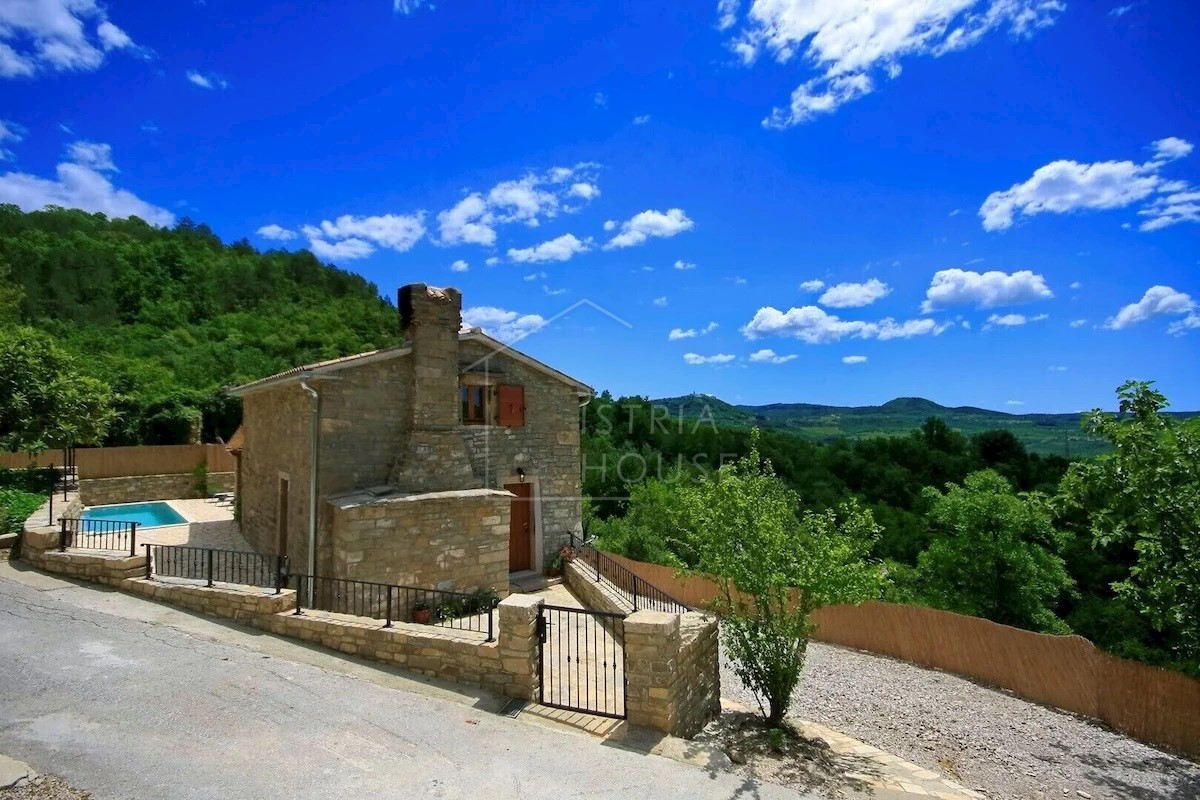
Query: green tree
point(1145, 494)
point(44, 401)
point(774, 565)
point(10, 298)
point(995, 554)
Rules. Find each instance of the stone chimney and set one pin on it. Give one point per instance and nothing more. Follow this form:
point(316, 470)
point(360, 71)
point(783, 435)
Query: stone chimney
point(431, 318)
point(435, 457)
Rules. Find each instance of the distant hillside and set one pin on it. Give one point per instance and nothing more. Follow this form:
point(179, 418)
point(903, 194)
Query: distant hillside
point(1047, 434)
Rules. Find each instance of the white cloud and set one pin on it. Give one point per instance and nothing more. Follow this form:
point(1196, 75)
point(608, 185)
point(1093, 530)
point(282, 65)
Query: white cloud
point(79, 186)
point(1119, 11)
point(1076, 285)
point(739, 281)
point(276, 232)
point(641, 119)
point(407, 7)
point(718, 358)
point(345, 250)
point(1156, 302)
point(816, 326)
point(647, 224)
point(956, 212)
point(1190, 322)
point(661, 302)
point(600, 99)
point(536, 276)
point(1063, 187)
point(92, 154)
point(684, 265)
point(854, 359)
point(609, 224)
point(460, 266)
point(507, 326)
point(1056, 368)
point(954, 287)
point(854, 295)
point(528, 199)
point(9, 132)
point(850, 42)
point(812, 286)
point(553, 292)
point(492, 261)
point(560, 249)
point(1006, 320)
point(769, 356)
point(1039, 318)
point(1015, 402)
point(52, 35)
point(690, 333)
point(209, 81)
point(1078, 323)
point(399, 232)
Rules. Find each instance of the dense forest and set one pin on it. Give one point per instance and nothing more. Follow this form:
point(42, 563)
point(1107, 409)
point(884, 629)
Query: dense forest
point(115, 332)
point(166, 317)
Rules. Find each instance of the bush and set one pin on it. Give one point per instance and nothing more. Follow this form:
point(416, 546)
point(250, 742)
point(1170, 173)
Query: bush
point(15, 508)
point(36, 480)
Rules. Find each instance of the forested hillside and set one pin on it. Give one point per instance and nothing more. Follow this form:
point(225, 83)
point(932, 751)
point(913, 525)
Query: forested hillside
point(168, 316)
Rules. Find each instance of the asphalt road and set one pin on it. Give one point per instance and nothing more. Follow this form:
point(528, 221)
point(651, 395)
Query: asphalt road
point(131, 699)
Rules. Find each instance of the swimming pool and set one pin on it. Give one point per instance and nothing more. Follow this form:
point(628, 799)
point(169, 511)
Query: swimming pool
point(146, 515)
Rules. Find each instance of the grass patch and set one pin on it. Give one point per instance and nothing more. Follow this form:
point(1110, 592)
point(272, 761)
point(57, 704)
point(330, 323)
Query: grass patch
point(16, 506)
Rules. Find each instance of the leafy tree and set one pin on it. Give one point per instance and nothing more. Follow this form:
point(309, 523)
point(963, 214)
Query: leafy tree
point(996, 554)
point(774, 565)
point(1145, 494)
point(44, 401)
point(10, 298)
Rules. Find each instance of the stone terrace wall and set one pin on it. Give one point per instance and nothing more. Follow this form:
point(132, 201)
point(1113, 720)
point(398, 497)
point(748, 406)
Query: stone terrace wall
point(145, 488)
point(242, 603)
point(669, 671)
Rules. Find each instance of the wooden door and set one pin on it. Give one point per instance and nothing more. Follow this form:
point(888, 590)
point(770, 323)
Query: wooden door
point(520, 528)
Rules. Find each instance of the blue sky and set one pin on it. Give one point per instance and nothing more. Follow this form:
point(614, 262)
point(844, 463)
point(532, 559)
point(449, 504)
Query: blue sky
point(999, 198)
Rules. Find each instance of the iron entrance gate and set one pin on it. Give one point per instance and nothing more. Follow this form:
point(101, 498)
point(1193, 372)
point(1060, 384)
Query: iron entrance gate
point(583, 660)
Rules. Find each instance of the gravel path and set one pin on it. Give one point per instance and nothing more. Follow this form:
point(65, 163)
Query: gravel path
point(1005, 747)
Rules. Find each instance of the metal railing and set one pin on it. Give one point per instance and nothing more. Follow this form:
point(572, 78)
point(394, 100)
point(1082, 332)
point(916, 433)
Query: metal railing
point(392, 603)
point(645, 596)
point(97, 534)
point(214, 565)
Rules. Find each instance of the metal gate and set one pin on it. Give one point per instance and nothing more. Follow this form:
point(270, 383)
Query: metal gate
point(582, 654)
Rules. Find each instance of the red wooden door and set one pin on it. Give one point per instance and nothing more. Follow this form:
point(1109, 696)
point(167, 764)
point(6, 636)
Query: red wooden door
point(520, 528)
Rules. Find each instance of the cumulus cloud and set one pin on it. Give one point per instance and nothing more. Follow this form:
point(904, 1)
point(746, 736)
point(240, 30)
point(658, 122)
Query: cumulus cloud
point(658, 224)
point(92, 154)
point(718, 358)
point(1190, 322)
point(276, 232)
point(1078, 323)
point(850, 44)
point(528, 200)
point(1006, 320)
point(854, 359)
point(690, 333)
point(1158, 301)
point(80, 185)
point(854, 295)
point(661, 302)
point(53, 36)
point(956, 287)
point(206, 81)
point(684, 265)
point(812, 286)
point(460, 266)
point(1063, 187)
point(349, 237)
point(499, 323)
point(345, 250)
point(641, 119)
point(814, 325)
point(536, 276)
point(559, 249)
point(769, 356)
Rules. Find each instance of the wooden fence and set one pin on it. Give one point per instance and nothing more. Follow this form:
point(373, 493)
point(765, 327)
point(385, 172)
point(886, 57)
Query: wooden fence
point(1154, 705)
point(121, 462)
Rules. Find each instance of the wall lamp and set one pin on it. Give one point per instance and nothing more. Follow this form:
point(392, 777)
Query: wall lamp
point(520, 475)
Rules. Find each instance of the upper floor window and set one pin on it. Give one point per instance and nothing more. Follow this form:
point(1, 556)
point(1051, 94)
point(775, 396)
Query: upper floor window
point(485, 403)
point(475, 404)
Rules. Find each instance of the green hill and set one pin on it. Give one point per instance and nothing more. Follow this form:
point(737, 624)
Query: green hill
point(1046, 434)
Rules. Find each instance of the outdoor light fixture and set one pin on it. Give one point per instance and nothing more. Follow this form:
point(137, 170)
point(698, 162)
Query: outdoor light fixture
point(520, 475)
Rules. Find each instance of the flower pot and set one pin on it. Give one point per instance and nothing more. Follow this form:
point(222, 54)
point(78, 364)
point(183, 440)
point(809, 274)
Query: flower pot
point(422, 615)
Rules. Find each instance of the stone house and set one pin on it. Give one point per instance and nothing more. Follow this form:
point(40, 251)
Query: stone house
point(448, 462)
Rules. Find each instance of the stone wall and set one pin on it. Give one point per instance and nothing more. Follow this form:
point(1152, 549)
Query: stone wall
point(242, 604)
point(111, 569)
point(596, 595)
point(450, 540)
point(671, 670)
point(146, 488)
point(546, 447)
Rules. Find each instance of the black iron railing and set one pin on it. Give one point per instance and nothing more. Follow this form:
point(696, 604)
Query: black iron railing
point(645, 596)
point(216, 566)
point(97, 534)
point(475, 611)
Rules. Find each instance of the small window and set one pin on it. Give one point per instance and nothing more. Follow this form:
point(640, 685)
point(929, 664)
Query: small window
point(474, 405)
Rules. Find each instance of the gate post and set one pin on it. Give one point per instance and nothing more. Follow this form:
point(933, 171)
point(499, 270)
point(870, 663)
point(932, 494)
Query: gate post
point(519, 645)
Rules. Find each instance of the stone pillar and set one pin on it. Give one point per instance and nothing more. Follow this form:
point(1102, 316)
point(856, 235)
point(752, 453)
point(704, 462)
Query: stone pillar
point(651, 663)
point(431, 318)
point(518, 642)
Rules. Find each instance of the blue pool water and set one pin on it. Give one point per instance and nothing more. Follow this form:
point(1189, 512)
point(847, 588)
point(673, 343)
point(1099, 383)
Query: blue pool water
point(146, 515)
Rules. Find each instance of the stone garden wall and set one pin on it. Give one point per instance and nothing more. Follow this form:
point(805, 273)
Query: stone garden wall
point(146, 488)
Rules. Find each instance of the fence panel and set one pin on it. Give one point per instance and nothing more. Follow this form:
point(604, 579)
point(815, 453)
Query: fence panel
point(120, 462)
point(23, 460)
point(1067, 672)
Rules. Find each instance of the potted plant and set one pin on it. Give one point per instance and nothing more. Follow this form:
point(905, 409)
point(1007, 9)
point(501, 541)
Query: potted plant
point(567, 553)
point(422, 613)
point(556, 566)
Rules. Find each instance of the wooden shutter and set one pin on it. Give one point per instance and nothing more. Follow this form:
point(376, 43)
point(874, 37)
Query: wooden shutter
point(510, 406)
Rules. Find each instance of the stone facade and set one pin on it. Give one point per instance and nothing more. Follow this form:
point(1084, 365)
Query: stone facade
point(391, 426)
point(146, 488)
point(450, 540)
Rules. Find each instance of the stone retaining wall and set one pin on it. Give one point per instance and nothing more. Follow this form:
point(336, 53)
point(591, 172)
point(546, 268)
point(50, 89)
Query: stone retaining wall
point(596, 595)
point(240, 603)
point(146, 488)
point(669, 667)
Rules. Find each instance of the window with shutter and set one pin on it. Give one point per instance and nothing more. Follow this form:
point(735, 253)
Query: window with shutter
point(510, 406)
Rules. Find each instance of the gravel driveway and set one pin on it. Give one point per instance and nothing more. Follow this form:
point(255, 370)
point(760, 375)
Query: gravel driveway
point(1005, 747)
